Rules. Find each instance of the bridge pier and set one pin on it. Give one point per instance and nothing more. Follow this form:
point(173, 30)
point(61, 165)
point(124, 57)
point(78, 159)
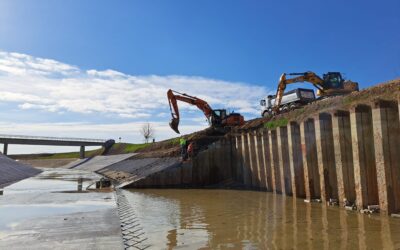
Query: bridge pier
point(82, 152)
point(5, 149)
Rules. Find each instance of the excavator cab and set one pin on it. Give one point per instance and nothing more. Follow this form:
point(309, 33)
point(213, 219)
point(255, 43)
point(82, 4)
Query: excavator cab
point(333, 80)
point(218, 115)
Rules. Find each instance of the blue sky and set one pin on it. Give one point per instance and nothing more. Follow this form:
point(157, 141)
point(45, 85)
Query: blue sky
point(229, 52)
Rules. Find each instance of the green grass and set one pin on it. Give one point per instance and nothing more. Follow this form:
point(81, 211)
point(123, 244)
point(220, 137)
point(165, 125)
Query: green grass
point(175, 141)
point(124, 148)
point(276, 123)
point(61, 155)
point(67, 155)
point(117, 148)
point(130, 148)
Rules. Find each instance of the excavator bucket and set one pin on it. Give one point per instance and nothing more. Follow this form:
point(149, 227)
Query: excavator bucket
point(174, 125)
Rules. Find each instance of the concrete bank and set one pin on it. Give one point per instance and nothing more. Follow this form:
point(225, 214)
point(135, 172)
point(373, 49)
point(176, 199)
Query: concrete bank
point(47, 212)
point(124, 168)
point(99, 162)
point(345, 157)
point(12, 171)
point(135, 169)
point(47, 163)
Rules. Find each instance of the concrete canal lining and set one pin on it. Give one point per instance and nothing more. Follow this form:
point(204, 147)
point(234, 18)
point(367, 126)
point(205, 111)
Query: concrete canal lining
point(246, 161)
point(12, 171)
point(342, 156)
point(364, 156)
point(255, 179)
point(309, 151)
point(275, 174)
point(47, 212)
point(101, 161)
point(326, 157)
point(387, 154)
point(284, 166)
point(267, 159)
point(296, 160)
point(260, 160)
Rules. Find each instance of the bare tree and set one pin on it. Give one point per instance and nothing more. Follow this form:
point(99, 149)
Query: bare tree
point(147, 131)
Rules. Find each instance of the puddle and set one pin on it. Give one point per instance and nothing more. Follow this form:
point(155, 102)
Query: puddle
point(51, 180)
point(38, 185)
point(219, 219)
point(53, 192)
point(11, 215)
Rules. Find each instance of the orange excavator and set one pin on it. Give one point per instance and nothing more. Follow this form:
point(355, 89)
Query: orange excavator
point(217, 118)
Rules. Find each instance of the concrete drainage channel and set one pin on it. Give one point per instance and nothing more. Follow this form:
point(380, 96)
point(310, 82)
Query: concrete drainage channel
point(60, 209)
point(133, 235)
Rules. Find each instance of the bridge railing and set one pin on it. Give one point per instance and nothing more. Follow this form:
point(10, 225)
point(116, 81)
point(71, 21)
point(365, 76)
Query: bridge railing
point(24, 137)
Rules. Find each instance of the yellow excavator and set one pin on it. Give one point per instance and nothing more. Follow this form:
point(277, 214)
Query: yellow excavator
point(331, 84)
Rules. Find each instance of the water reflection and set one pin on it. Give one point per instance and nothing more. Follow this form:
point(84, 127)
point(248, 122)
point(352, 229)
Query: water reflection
point(219, 219)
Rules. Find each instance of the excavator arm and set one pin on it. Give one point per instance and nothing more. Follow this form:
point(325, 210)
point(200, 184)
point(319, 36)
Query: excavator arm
point(174, 96)
point(300, 77)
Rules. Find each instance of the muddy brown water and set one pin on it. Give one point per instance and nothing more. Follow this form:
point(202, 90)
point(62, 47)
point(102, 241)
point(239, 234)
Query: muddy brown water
point(221, 219)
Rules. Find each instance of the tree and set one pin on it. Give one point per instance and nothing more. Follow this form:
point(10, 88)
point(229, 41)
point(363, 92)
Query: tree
point(147, 132)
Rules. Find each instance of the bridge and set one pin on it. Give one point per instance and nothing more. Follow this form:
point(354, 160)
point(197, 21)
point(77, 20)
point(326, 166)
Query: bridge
point(53, 141)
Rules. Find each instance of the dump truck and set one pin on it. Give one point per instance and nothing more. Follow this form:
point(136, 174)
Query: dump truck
point(290, 100)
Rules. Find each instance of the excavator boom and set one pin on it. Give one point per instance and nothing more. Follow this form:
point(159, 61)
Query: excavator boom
point(174, 96)
point(300, 77)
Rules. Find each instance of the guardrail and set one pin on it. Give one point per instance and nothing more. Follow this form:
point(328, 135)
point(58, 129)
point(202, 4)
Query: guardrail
point(47, 138)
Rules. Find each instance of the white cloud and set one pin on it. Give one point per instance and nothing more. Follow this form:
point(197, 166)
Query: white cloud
point(37, 83)
point(63, 91)
point(21, 64)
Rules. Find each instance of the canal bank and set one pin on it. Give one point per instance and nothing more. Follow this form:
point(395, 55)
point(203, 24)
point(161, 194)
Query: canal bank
point(49, 212)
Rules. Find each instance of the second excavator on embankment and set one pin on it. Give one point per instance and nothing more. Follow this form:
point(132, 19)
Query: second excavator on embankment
point(331, 84)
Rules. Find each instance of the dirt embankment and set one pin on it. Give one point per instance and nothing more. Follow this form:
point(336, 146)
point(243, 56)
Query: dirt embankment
point(385, 91)
point(171, 147)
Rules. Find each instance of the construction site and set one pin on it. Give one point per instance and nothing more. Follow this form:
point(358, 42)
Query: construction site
point(334, 160)
point(199, 125)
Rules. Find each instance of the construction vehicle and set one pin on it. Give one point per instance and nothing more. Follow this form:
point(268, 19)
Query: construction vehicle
point(290, 100)
point(217, 118)
point(331, 84)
